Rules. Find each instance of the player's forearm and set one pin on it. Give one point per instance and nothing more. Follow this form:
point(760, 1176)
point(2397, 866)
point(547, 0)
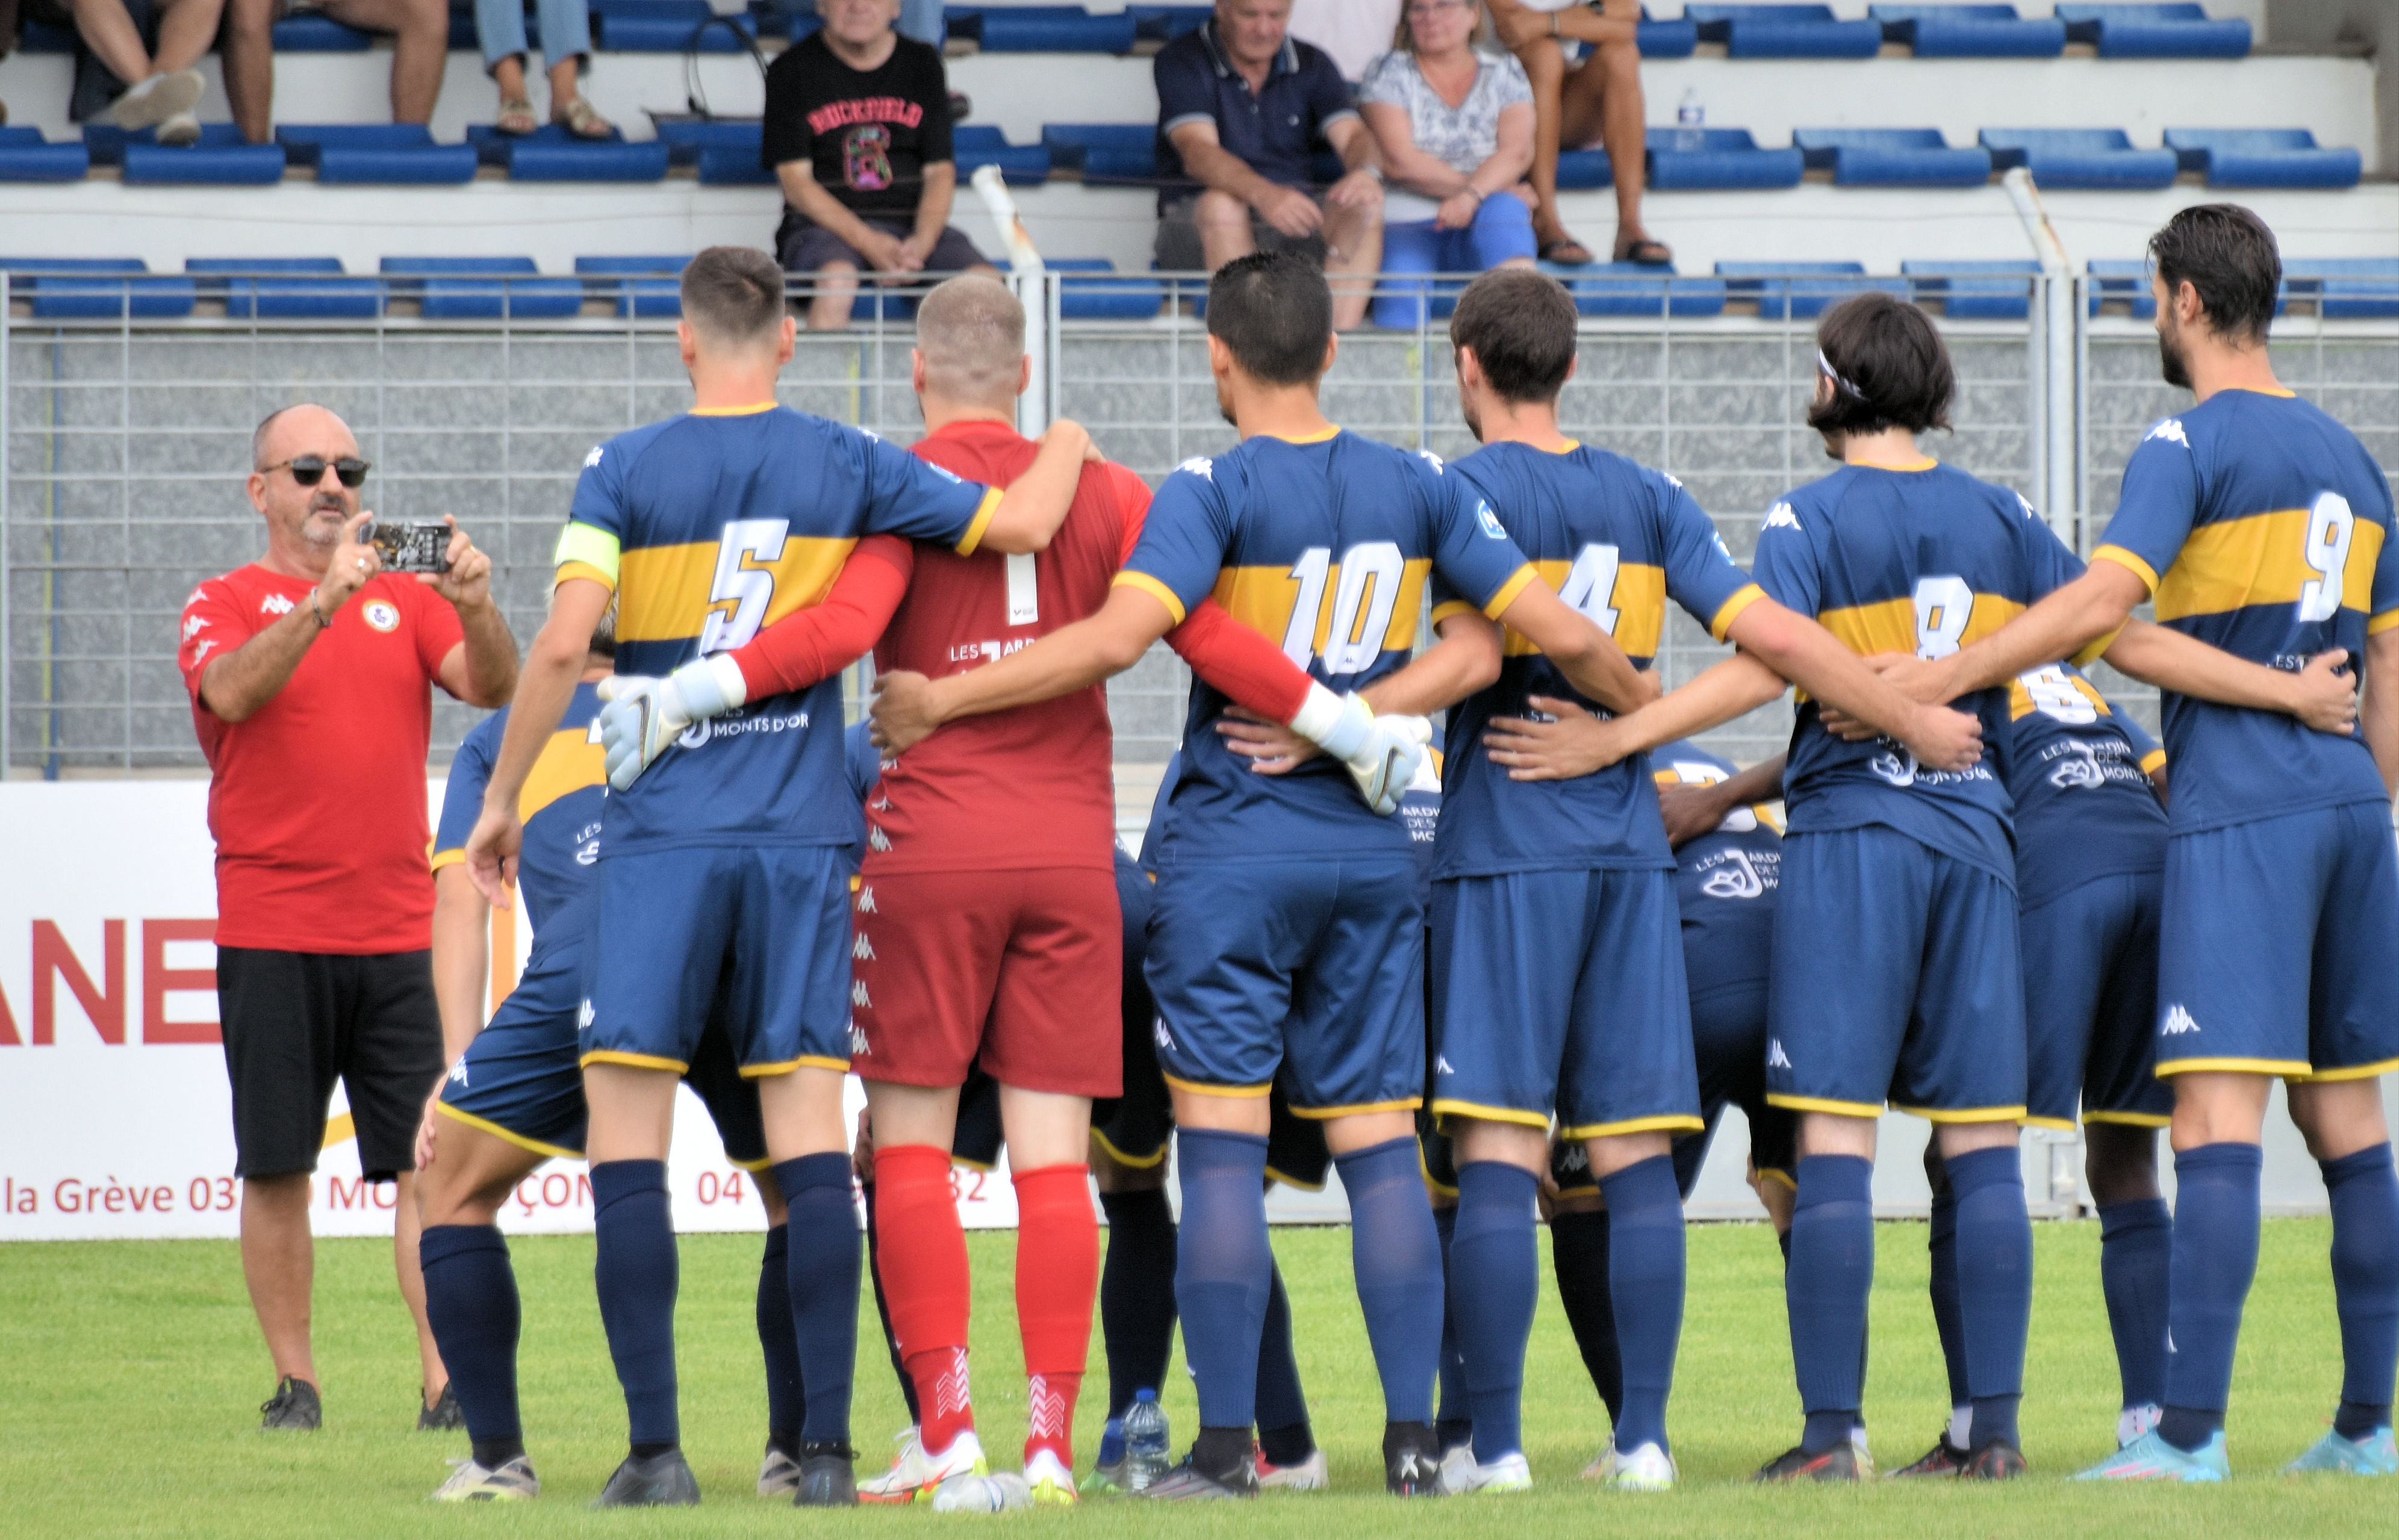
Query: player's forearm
point(491, 655)
point(2165, 658)
point(1072, 658)
point(1590, 658)
point(461, 957)
point(2060, 626)
point(1739, 684)
point(1465, 658)
point(810, 645)
point(1236, 660)
point(238, 685)
point(1761, 782)
point(2378, 717)
point(1813, 658)
point(1031, 509)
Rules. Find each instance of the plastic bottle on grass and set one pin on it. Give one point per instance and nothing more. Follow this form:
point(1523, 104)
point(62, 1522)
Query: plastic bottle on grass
point(1147, 1451)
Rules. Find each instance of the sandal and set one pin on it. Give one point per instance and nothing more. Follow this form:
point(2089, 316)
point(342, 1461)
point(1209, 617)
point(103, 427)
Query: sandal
point(581, 120)
point(516, 116)
point(1566, 251)
point(1644, 252)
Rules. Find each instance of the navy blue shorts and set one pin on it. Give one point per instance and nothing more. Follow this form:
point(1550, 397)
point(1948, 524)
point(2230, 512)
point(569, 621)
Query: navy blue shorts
point(1562, 990)
point(1306, 968)
point(2277, 947)
point(1896, 981)
point(520, 1078)
point(2091, 1004)
point(760, 934)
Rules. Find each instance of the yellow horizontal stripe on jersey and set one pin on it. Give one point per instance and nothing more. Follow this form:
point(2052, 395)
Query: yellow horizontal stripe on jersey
point(1639, 599)
point(1261, 597)
point(588, 546)
point(2151, 760)
point(1730, 611)
point(1889, 625)
point(663, 592)
point(1517, 582)
point(2260, 559)
point(586, 571)
point(569, 762)
point(1153, 588)
point(2020, 699)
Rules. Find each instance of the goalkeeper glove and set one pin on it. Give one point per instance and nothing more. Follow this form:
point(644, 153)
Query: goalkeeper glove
point(644, 713)
point(1383, 753)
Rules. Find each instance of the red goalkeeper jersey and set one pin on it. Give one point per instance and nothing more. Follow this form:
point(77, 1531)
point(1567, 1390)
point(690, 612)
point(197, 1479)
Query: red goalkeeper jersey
point(1031, 786)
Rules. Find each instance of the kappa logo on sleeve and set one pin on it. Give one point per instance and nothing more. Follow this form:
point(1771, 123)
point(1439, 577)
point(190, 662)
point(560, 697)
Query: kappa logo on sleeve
point(2178, 1022)
point(194, 625)
point(2170, 428)
point(275, 604)
point(1779, 517)
point(1201, 467)
point(1439, 468)
point(593, 458)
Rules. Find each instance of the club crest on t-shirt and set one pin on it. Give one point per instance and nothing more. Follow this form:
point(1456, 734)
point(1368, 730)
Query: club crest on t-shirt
point(382, 614)
point(866, 156)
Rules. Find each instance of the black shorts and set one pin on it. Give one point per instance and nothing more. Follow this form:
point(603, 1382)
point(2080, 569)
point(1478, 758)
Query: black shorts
point(803, 245)
point(977, 1139)
point(295, 1022)
point(1133, 1127)
point(1178, 248)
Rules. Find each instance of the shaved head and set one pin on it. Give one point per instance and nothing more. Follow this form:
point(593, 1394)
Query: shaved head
point(971, 331)
point(312, 428)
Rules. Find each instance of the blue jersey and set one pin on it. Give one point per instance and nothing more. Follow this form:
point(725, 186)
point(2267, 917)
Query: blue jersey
point(863, 764)
point(1419, 812)
point(1617, 540)
point(1324, 545)
point(559, 804)
point(2078, 772)
point(1923, 561)
point(2262, 527)
point(1724, 880)
point(709, 526)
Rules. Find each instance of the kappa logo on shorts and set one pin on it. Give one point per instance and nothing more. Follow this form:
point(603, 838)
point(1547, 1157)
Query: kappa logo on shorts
point(1775, 1058)
point(1441, 1064)
point(1735, 879)
point(877, 839)
point(858, 1048)
point(1157, 1029)
point(858, 995)
point(866, 900)
point(2178, 1022)
point(458, 1072)
point(862, 948)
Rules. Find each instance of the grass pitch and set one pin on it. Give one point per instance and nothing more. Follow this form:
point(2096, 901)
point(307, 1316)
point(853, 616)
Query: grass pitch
point(130, 1371)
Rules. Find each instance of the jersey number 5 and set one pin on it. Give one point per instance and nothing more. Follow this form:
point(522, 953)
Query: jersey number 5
point(741, 592)
point(2330, 527)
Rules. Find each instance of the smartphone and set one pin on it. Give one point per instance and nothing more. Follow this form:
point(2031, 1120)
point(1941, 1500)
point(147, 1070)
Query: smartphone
point(409, 547)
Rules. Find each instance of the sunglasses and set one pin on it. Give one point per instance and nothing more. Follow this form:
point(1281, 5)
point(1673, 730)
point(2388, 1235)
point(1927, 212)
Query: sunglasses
point(309, 470)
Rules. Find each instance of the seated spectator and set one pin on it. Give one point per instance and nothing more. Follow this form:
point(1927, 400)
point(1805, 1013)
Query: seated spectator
point(566, 47)
point(1573, 105)
point(420, 48)
point(1241, 110)
point(858, 132)
point(156, 85)
point(1352, 33)
point(1455, 128)
point(921, 20)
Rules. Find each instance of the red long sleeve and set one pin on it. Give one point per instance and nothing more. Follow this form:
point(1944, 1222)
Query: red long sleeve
point(1240, 662)
point(823, 639)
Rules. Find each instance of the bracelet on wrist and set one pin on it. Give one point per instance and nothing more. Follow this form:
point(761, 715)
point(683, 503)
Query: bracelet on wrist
point(316, 608)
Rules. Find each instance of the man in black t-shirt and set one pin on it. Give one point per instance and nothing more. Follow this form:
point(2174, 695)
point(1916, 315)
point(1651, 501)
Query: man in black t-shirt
point(858, 132)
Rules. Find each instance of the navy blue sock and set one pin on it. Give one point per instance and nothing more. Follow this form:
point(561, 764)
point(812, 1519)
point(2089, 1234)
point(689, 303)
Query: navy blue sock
point(1496, 1262)
point(1579, 1256)
point(1395, 1253)
point(1941, 1247)
point(470, 1300)
point(883, 1304)
point(779, 1342)
point(2366, 1284)
point(635, 1270)
point(1830, 1274)
point(1994, 1285)
point(824, 1288)
point(2136, 1254)
point(1136, 1294)
point(1645, 1276)
point(1283, 1433)
point(1451, 1422)
point(1224, 1270)
point(2215, 1260)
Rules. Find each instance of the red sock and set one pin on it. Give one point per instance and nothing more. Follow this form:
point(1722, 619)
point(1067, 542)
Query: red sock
point(923, 1259)
point(1057, 1274)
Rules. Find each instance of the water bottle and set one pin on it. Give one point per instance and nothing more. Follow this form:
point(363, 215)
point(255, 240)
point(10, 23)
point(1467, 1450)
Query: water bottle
point(1146, 1458)
point(1690, 119)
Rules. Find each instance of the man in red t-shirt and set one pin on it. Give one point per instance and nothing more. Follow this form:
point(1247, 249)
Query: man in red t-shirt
point(309, 672)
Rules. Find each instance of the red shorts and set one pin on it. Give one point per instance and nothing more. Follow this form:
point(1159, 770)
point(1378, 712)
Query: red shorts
point(1020, 969)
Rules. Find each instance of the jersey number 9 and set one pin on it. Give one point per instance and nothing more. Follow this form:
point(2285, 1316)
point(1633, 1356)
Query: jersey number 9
point(2330, 528)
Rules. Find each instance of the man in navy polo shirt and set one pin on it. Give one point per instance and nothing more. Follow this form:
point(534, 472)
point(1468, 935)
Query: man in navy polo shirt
point(1242, 108)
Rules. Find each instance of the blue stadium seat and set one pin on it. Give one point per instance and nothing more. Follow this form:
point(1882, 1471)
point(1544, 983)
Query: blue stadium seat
point(494, 148)
point(979, 145)
point(1104, 152)
point(287, 288)
point(313, 32)
point(1975, 290)
point(1969, 31)
point(2179, 31)
point(1630, 289)
point(107, 142)
point(639, 286)
point(588, 162)
point(1102, 293)
point(1784, 32)
point(1165, 23)
point(1582, 170)
point(1801, 291)
point(668, 26)
point(97, 287)
point(2346, 288)
point(204, 166)
point(1676, 39)
point(2080, 157)
point(1710, 159)
point(685, 138)
point(1043, 29)
point(1891, 158)
point(26, 157)
point(481, 289)
point(376, 153)
point(2263, 157)
point(726, 165)
point(2122, 280)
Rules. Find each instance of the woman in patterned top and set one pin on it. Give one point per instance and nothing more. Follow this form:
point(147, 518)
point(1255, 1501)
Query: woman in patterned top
point(1455, 126)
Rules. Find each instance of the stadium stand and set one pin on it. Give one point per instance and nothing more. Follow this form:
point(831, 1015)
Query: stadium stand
point(1784, 32)
point(2263, 157)
point(1780, 294)
point(383, 153)
point(641, 286)
point(1891, 158)
point(2080, 157)
point(287, 288)
point(2182, 31)
point(1969, 31)
point(1973, 290)
point(480, 288)
point(1686, 159)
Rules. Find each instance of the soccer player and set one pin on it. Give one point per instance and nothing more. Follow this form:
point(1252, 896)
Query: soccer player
point(725, 882)
point(514, 1097)
point(1287, 931)
point(1598, 1031)
point(2260, 525)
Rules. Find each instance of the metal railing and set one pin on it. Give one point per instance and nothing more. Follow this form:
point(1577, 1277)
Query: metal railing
point(124, 442)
